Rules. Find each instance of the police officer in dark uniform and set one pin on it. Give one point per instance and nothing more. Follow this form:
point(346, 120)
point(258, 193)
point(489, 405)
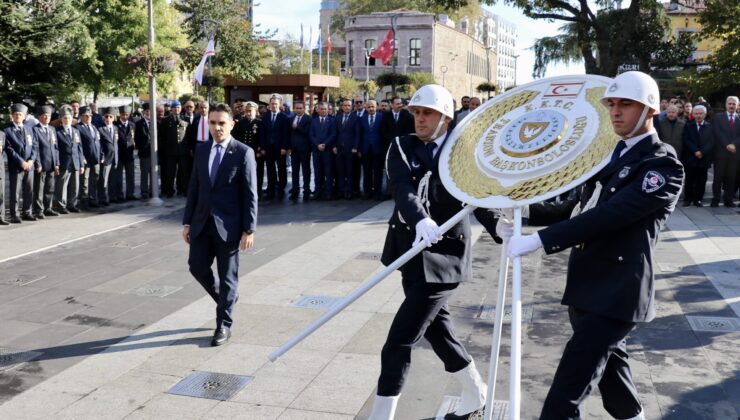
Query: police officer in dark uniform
point(21, 150)
point(610, 284)
point(175, 152)
point(247, 131)
point(3, 222)
point(47, 164)
point(431, 277)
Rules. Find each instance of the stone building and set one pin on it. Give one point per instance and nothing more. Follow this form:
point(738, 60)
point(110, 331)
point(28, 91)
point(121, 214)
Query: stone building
point(423, 44)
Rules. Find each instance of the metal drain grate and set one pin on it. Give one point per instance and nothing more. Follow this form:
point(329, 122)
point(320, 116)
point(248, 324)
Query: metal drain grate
point(12, 358)
point(488, 312)
point(372, 256)
point(24, 279)
point(210, 385)
point(315, 302)
point(157, 291)
point(449, 404)
point(714, 323)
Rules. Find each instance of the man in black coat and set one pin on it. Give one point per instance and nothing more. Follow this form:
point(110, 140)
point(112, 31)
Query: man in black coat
point(91, 147)
point(397, 122)
point(430, 278)
point(726, 127)
point(108, 153)
point(247, 131)
point(47, 164)
point(610, 283)
point(175, 152)
point(71, 165)
point(3, 222)
point(142, 140)
point(300, 151)
point(698, 142)
point(20, 146)
point(346, 147)
point(275, 135)
point(125, 167)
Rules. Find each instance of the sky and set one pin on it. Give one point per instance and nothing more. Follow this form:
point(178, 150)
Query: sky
point(287, 15)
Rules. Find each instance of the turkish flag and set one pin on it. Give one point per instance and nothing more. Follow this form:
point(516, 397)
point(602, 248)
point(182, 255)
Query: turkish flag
point(386, 49)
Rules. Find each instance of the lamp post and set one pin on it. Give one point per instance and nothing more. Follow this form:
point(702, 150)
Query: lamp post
point(368, 51)
point(443, 69)
point(516, 56)
point(393, 59)
point(209, 29)
point(155, 200)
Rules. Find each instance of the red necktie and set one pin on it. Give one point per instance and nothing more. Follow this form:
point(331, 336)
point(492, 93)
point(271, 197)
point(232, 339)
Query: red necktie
point(202, 129)
point(732, 121)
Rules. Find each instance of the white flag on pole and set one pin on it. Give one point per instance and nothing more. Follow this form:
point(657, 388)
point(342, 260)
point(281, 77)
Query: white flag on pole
point(198, 75)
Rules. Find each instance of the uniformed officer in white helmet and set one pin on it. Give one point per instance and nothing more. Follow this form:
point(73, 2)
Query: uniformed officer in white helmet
point(610, 284)
point(429, 279)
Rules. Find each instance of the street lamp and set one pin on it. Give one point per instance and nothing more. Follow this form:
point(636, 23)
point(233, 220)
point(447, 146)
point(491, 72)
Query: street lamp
point(155, 200)
point(443, 69)
point(515, 59)
point(368, 51)
point(210, 27)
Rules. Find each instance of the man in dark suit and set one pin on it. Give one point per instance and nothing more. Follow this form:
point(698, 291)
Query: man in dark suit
point(91, 147)
point(698, 142)
point(175, 152)
point(396, 123)
point(108, 153)
point(300, 151)
point(3, 222)
point(125, 167)
point(610, 284)
point(71, 165)
point(275, 132)
point(221, 215)
point(346, 147)
point(371, 152)
point(247, 131)
point(670, 129)
point(726, 127)
point(198, 132)
point(323, 133)
point(359, 111)
point(20, 146)
point(430, 278)
point(142, 141)
point(47, 164)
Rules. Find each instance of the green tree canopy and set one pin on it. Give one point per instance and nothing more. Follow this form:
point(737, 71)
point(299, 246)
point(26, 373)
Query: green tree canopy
point(720, 21)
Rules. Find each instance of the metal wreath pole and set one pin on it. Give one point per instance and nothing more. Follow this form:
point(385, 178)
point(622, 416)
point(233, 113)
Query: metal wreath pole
point(515, 375)
point(503, 272)
point(364, 287)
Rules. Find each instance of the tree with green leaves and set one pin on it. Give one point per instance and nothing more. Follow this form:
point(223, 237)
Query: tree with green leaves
point(720, 21)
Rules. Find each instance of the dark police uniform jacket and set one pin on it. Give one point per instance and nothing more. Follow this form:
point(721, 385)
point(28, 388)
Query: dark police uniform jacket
point(126, 144)
point(449, 260)
point(173, 136)
point(248, 132)
point(610, 272)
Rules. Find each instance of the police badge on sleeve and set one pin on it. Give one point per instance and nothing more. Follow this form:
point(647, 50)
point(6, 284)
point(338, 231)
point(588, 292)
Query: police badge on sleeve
point(653, 181)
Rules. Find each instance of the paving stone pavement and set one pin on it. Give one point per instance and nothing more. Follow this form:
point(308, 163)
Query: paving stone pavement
point(117, 321)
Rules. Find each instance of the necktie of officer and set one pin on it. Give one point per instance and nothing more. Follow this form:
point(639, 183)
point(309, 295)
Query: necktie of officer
point(273, 118)
point(395, 116)
point(372, 120)
point(344, 120)
point(617, 152)
point(732, 121)
point(215, 164)
point(202, 129)
point(430, 149)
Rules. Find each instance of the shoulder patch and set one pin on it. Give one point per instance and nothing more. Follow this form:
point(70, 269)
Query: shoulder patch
point(653, 181)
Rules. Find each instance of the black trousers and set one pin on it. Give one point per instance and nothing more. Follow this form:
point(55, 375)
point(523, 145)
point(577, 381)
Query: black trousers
point(168, 166)
point(596, 355)
point(103, 183)
point(300, 163)
point(43, 191)
point(356, 174)
point(345, 181)
point(323, 174)
point(725, 172)
point(2, 188)
point(21, 186)
point(203, 249)
point(695, 183)
point(422, 314)
point(277, 173)
point(182, 179)
point(372, 173)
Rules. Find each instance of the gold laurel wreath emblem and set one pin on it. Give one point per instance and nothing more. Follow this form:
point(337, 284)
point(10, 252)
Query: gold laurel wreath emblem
point(471, 180)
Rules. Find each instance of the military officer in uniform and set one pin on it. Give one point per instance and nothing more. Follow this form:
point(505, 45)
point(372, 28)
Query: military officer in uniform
point(47, 164)
point(247, 131)
point(142, 139)
point(21, 150)
point(175, 152)
point(430, 278)
point(71, 165)
point(3, 222)
point(126, 147)
point(91, 146)
point(610, 284)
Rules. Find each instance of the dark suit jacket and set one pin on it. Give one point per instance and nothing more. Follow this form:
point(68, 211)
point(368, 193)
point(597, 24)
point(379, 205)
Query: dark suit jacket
point(232, 200)
point(370, 139)
point(173, 136)
point(672, 133)
point(348, 135)
point(724, 135)
point(449, 260)
point(610, 272)
point(142, 139)
point(71, 155)
point(300, 140)
point(126, 144)
point(324, 134)
point(2, 159)
point(109, 146)
point(191, 134)
point(90, 143)
point(390, 128)
point(698, 140)
point(20, 146)
point(275, 136)
point(47, 149)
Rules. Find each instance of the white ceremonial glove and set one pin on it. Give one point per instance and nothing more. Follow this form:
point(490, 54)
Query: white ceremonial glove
point(427, 231)
point(523, 244)
point(504, 229)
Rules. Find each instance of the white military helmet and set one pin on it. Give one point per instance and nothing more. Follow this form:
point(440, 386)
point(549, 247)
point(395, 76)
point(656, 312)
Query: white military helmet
point(634, 85)
point(434, 97)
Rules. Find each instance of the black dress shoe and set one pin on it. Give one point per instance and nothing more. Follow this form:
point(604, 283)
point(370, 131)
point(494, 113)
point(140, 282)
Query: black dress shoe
point(39, 216)
point(131, 197)
point(714, 204)
point(348, 196)
point(73, 210)
point(28, 218)
point(62, 211)
point(15, 219)
point(4, 223)
point(93, 205)
point(50, 212)
point(729, 204)
point(221, 336)
point(475, 414)
point(293, 196)
point(698, 204)
point(686, 203)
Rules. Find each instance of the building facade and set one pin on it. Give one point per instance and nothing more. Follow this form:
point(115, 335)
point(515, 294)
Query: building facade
point(423, 44)
point(326, 16)
point(684, 18)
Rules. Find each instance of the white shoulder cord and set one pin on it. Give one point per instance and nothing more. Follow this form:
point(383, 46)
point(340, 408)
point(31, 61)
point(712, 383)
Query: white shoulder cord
point(591, 203)
point(423, 192)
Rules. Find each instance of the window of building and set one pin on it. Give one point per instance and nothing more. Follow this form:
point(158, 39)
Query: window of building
point(369, 45)
point(351, 52)
point(415, 52)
